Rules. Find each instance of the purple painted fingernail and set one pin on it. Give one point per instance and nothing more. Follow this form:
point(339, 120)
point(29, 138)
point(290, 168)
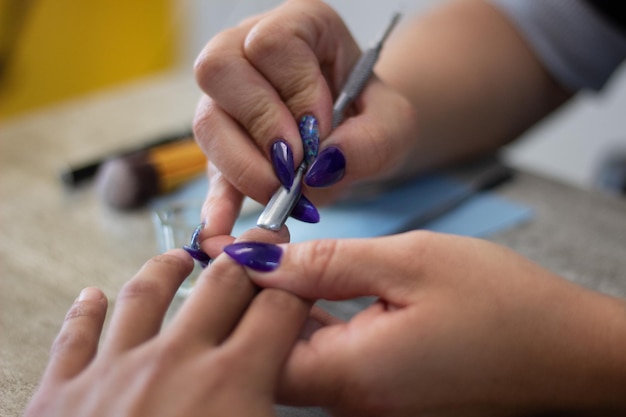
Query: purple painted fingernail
point(197, 254)
point(260, 256)
point(305, 211)
point(310, 135)
point(194, 250)
point(282, 161)
point(327, 169)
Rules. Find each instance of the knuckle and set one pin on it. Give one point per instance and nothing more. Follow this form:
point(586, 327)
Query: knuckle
point(77, 336)
point(270, 38)
point(141, 289)
point(421, 239)
point(382, 155)
point(319, 257)
point(213, 61)
point(168, 350)
point(208, 128)
point(259, 115)
point(171, 263)
point(84, 309)
point(420, 244)
point(228, 275)
point(203, 120)
point(300, 91)
point(267, 38)
point(279, 299)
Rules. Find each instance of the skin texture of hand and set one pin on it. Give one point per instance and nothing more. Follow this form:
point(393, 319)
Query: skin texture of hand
point(260, 78)
point(221, 355)
point(461, 326)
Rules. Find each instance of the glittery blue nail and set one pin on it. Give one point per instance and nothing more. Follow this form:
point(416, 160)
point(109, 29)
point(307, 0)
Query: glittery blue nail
point(309, 133)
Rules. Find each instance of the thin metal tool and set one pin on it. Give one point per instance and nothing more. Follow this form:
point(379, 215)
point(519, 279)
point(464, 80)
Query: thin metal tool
point(283, 201)
point(492, 176)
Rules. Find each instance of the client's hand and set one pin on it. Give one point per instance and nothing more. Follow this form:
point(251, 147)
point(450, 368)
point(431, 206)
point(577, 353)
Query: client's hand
point(460, 325)
point(261, 78)
point(221, 355)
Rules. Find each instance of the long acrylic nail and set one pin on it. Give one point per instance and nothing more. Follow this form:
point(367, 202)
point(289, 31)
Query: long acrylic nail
point(305, 211)
point(327, 169)
point(310, 135)
point(282, 161)
point(194, 249)
point(260, 256)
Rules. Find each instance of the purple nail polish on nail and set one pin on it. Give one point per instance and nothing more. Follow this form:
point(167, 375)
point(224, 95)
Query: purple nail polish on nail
point(260, 256)
point(282, 161)
point(305, 211)
point(328, 169)
point(194, 250)
point(309, 133)
point(197, 254)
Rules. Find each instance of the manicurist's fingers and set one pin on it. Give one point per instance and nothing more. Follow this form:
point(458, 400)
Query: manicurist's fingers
point(224, 73)
point(143, 301)
point(336, 269)
point(293, 46)
point(262, 77)
point(221, 206)
point(241, 92)
point(77, 342)
point(233, 152)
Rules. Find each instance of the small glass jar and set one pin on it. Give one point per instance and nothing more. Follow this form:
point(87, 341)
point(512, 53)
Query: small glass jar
point(174, 225)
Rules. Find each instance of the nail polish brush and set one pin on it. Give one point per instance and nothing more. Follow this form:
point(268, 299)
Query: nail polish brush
point(283, 201)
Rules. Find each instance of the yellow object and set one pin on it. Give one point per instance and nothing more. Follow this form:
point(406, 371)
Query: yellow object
point(176, 163)
point(55, 49)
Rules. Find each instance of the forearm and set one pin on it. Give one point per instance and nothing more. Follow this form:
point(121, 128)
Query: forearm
point(474, 82)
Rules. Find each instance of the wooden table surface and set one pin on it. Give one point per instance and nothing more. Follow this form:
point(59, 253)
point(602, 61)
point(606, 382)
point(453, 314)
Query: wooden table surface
point(55, 242)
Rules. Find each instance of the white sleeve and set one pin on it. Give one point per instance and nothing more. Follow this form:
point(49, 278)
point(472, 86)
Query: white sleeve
point(578, 46)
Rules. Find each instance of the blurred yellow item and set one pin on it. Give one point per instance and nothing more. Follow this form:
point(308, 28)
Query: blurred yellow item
point(51, 50)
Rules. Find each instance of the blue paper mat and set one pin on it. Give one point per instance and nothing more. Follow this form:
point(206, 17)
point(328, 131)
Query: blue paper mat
point(480, 216)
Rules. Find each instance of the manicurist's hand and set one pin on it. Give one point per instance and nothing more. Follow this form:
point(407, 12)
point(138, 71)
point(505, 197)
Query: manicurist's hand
point(221, 355)
point(460, 325)
point(270, 82)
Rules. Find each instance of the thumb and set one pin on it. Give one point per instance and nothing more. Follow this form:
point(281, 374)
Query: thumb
point(332, 269)
point(376, 141)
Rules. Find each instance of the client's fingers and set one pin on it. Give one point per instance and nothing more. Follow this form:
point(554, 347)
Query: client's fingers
point(220, 297)
point(268, 330)
point(143, 301)
point(77, 342)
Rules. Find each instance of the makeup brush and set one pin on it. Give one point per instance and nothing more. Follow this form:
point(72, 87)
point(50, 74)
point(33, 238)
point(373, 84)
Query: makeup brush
point(74, 175)
point(131, 180)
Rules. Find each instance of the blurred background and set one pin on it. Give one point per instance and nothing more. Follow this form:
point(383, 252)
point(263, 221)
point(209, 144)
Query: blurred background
point(56, 50)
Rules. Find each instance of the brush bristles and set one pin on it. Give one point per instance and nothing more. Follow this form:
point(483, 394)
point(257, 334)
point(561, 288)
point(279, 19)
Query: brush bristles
point(126, 182)
point(131, 181)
